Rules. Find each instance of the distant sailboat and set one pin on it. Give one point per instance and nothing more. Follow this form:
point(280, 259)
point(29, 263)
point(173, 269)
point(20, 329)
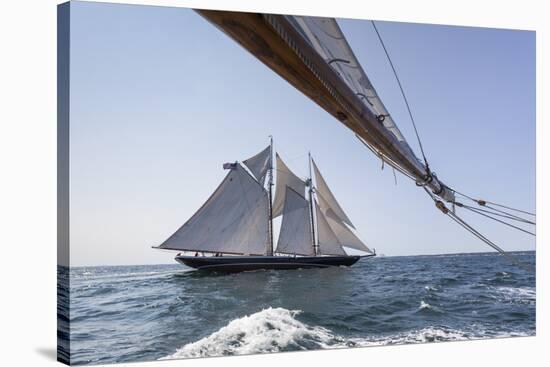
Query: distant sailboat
point(233, 230)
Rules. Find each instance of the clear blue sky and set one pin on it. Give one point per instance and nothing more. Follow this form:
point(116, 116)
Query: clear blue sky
point(160, 99)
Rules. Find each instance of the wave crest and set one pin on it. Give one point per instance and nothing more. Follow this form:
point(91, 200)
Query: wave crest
point(277, 329)
point(270, 330)
point(521, 295)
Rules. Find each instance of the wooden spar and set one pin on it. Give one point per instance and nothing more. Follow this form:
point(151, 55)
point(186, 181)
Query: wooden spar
point(275, 42)
point(205, 251)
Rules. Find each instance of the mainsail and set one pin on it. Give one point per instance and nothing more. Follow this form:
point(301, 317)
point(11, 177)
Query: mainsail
point(295, 236)
point(233, 219)
point(285, 178)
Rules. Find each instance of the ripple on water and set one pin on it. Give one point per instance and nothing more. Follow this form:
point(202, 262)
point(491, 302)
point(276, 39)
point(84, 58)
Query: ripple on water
point(151, 312)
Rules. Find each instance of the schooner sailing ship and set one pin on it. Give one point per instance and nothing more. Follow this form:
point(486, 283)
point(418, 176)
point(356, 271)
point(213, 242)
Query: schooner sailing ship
point(233, 230)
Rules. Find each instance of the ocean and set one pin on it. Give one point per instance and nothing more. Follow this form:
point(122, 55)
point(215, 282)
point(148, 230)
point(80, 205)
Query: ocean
point(151, 312)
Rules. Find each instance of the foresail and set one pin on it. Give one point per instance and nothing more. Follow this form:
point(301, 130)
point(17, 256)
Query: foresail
point(345, 236)
point(285, 178)
point(233, 219)
point(295, 234)
point(259, 164)
point(329, 201)
point(327, 241)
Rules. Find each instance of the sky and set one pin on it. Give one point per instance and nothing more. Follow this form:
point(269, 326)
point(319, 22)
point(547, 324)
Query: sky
point(160, 98)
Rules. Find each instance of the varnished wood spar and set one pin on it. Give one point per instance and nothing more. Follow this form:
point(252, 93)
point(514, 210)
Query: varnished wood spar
point(275, 42)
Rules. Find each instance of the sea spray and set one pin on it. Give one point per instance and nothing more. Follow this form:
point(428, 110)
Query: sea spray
point(277, 330)
point(270, 330)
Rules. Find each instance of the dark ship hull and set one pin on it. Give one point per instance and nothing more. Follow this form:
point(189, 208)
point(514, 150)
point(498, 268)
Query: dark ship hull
point(232, 264)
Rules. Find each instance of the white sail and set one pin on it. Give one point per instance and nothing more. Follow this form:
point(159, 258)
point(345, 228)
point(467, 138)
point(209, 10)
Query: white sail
point(295, 234)
point(259, 164)
point(345, 236)
point(326, 37)
point(285, 178)
point(327, 241)
point(324, 192)
point(233, 219)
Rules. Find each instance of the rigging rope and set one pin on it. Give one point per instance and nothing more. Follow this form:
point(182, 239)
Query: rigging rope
point(472, 230)
point(509, 208)
point(459, 220)
point(504, 215)
point(404, 97)
point(385, 158)
point(485, 202)
point(476, 233)
point(475, 210)
point(518, 218)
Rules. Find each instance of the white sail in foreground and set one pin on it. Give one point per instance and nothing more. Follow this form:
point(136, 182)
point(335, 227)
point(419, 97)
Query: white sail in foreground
point(295, 236)
point(285, 178)
point(326, 37)
point(259, 164)
point(327, 242)
point(324, 192)
point(233, 220)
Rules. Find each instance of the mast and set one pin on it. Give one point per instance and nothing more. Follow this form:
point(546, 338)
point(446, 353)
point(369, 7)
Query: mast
point(269, 251)
point(310, 190)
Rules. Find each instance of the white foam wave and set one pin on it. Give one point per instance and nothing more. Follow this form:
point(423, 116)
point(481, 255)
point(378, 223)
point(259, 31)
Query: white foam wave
point(517, 294)
point(277, 329)
point(425, 335)
point(424, 305)
point(526, 292)
point(269, 330)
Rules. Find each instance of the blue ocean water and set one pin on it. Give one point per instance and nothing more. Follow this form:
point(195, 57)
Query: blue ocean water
point(150, 312)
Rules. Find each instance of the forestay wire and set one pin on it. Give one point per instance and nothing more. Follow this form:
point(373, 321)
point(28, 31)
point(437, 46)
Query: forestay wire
point(480, 212)
point(498, 213)
point(404, 97)
point(486, 202)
